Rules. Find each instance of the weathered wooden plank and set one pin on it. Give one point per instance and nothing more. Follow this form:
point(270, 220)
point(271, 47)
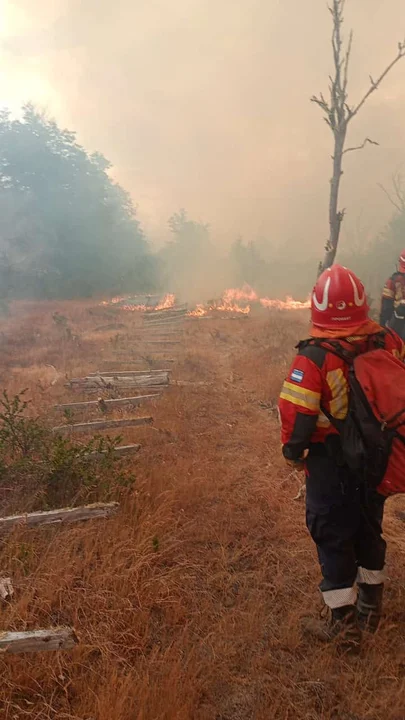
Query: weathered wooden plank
point(95, 389)
point(128, 373)
point(93, 427)
point(62, 638)
point(102, 404)
point(240, 316)
point(125, 362)
point(191, 383)
point(6, 589)
point(120, 382)
point(61, 515)
point(163, 342)
point(164, 322)
point(120, 451)
point(161, 336)
point(165, 312)
point(170, 332)
point(108, 377)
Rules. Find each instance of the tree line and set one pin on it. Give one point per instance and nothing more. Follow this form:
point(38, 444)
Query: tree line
point(67, 230)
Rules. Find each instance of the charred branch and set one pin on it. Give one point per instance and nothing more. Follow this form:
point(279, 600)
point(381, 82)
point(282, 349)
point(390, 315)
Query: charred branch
point(360, 147)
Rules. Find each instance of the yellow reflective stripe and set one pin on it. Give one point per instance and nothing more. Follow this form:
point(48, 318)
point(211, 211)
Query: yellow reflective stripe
point(387, 293)
point(300, 396)
point(298, 400)
point(338, 387)
point(305, 392)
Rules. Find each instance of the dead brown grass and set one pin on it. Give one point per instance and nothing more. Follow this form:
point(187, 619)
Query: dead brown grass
point(187, 603)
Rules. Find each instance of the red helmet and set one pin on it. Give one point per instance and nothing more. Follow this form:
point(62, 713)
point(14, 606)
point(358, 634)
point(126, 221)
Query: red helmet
point(401, 261)
point(338, 299)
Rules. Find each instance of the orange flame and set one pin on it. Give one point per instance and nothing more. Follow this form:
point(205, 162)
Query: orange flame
point(234, 300)
point(288, 304)
point(246, 293)
point(199, 311)
point(167, 302)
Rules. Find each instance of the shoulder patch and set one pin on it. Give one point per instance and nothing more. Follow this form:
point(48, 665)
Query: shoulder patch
point(297, 375)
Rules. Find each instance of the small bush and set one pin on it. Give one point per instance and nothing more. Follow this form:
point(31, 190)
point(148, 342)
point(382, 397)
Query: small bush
point(47, 470)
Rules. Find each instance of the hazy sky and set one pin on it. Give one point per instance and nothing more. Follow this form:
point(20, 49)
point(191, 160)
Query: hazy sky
point(204, 104)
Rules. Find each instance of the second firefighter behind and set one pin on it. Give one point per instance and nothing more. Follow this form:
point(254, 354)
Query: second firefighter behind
point(393, 300)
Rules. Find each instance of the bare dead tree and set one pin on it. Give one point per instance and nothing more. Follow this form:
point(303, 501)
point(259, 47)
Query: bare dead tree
point(338, 115)
point(397, 195)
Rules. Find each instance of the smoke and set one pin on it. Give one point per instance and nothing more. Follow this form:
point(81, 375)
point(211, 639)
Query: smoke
point(205, 105)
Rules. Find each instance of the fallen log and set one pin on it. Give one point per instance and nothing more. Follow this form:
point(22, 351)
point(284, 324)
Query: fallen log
point(125, 362)
point(240, 316)
point(63, 638)
point(92, 427)
point(163, 322)
point(120, 381)
point(163, 342)
point(6, 589)
point(191, 383)
point(61, 515)
point(156, 331)
point(95, 389)
point(111, 326)
point(128, 373)
point(165, 312)
point(120, 451)
point(102, 404)
point(151, 335)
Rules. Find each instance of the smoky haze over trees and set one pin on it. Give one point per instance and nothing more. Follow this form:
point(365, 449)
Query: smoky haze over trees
point(68, 230)
point(65, 228)
point(203, 106)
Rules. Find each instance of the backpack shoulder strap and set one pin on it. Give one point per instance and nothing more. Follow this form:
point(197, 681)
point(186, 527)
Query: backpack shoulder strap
point(312, 350)
point(377, 341)
point(316, 348)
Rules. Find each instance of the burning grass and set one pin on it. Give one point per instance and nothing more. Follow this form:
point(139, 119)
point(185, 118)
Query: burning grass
point(241, 300)
point(187, 604)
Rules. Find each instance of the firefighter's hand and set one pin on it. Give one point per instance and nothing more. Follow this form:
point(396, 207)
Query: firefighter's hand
point(298, 465)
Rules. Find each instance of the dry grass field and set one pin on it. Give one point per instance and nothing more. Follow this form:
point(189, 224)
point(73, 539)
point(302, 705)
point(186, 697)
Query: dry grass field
point(187, 603)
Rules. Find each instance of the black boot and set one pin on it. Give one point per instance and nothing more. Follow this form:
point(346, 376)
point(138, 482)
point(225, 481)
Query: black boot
point(341, 625)
point(369, 606)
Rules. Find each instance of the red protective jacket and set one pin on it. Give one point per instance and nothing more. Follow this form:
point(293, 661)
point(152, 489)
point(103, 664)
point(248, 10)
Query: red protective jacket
point(319, 378)
point(393, 295)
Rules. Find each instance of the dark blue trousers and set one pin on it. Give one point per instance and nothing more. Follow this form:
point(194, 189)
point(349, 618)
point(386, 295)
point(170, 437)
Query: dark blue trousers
point(345, 522)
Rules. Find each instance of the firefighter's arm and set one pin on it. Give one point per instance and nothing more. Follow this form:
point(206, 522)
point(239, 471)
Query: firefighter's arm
point(299, 407)
point(387, 302)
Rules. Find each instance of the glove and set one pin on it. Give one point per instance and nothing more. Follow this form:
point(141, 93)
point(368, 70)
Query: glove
point(298, 465)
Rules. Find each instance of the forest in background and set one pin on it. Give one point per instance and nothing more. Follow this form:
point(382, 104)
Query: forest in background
point(67, 230)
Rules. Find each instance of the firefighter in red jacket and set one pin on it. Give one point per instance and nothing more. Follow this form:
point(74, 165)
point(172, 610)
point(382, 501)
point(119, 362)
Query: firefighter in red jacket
point(393, 300)
point(343, 517)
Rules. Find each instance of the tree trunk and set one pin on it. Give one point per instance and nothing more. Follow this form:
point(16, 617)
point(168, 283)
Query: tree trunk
point(335, 215)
